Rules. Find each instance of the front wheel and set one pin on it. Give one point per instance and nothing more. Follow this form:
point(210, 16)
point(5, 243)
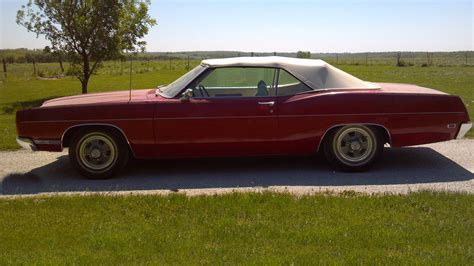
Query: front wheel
point(353, 148)
point(98, 153)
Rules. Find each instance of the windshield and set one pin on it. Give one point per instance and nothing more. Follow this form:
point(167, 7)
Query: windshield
point(174, 88)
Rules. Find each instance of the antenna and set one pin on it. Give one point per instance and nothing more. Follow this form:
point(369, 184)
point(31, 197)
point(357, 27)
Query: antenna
point(130, 85)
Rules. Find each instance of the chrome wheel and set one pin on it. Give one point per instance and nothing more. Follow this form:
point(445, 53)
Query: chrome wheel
point(97, 151)
point(354, 145)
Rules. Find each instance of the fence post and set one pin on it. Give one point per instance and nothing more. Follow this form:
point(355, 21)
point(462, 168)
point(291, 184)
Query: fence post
point(399, 55)
point(466, 57)
point(4, 67)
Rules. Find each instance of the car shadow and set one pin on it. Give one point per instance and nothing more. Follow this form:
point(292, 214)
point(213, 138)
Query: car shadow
point(397, 166)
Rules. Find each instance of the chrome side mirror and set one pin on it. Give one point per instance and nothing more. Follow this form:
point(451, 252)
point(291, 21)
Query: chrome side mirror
point(187, 94)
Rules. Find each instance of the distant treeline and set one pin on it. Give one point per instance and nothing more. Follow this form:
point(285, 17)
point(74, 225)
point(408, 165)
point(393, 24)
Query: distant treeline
point(23, 55)
point(376, 58)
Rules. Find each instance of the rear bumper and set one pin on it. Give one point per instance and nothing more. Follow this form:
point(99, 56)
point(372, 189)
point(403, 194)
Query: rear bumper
point(26, 143)
point(463, 129)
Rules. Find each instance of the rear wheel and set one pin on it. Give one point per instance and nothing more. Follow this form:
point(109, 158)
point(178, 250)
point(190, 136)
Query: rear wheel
point(353, 148)
point(98, 153)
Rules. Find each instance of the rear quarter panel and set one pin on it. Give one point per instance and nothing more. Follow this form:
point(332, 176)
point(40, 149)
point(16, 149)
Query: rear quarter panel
point(409, 118)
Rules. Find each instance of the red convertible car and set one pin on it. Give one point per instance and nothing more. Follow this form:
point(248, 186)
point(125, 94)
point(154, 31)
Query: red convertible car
point(244, 107)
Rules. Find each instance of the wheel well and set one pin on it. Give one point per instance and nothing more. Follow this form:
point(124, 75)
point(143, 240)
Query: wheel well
point(377, 128)
point(67, 136)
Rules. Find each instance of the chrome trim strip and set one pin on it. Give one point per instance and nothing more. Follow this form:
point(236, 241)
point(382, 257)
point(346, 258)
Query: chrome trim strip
point(47, 141)
point(226, 117)
point(26, 143)
point(88, 120)
point(463, 129)
point(365, 124)
point(417, 113)
point(218, 117)
point(290, 116)
point(99, 124)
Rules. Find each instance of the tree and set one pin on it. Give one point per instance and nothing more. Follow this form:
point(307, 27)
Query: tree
point(88, 31)
point(302, 54)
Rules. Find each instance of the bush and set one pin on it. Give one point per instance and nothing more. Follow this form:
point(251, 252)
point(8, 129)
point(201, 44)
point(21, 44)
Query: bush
point(71, 71)
point(402, 63)
point(41, 73)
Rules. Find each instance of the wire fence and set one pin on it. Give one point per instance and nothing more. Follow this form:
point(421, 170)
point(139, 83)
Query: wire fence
point(185, 61)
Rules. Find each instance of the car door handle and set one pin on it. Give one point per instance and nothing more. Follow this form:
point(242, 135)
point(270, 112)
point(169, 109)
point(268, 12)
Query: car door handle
point(267, 103)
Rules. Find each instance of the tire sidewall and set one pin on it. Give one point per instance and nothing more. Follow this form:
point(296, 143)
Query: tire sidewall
point(331, 153)
point(122, 153)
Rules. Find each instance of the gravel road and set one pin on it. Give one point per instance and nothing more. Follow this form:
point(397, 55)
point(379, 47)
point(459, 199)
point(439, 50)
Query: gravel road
point(446, 166)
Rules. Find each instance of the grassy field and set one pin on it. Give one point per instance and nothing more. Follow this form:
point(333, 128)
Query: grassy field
point(21, 90)
point(426, 228)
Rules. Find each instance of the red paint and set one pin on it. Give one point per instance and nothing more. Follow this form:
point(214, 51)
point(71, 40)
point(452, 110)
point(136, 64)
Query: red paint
point(157, 127)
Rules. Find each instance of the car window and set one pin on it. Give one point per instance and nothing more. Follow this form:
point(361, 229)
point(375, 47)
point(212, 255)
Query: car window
point(235, 82)
point(289, 85)
point(172, 89)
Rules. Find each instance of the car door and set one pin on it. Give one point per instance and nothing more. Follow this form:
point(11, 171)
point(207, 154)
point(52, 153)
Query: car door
point(298, 123)
point(232, 112)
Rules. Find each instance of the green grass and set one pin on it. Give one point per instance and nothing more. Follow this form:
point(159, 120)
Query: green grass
point(427, 228)
point(21, 90)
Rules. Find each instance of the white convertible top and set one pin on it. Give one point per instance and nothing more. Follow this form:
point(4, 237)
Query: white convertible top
point(315, 73)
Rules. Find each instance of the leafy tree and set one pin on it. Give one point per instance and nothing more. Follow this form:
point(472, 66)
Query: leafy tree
point(88, 31)
point(302, 54)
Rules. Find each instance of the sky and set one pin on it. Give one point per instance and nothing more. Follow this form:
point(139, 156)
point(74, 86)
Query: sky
point(288, 26)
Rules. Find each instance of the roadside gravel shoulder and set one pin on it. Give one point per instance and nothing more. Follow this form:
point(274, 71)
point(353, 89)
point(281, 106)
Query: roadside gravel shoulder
point(446, 166)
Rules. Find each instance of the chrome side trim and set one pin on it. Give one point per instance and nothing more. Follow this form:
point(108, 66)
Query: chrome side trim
point(98, 124)
point(463, 129)
point(26, 143)
point(227, 117)
point(296, 116)
point(47, 141)
point(99, 120)
point(352, 124)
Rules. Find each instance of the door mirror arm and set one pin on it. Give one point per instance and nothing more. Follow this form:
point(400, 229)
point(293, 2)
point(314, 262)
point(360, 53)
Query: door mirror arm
point(186, 95)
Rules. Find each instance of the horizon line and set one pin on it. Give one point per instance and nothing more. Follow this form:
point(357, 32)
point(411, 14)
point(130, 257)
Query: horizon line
point(237, 51)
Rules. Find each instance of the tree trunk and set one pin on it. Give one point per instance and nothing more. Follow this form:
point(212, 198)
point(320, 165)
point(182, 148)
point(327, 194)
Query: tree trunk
point(4, 68)
point(399, 56)
point(85, 74)
point(84, 85)
point(61, 65)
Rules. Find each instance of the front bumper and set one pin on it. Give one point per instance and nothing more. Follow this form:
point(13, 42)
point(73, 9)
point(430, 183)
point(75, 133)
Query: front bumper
point(463, 129)
point(26, 143)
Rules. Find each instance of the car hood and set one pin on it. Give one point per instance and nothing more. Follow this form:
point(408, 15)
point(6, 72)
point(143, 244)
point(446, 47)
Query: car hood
point(101, 98)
